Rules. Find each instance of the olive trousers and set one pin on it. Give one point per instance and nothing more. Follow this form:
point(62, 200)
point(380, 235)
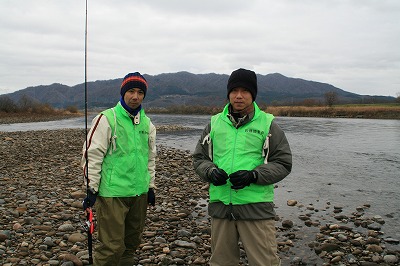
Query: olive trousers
point(258, 238)
point(120, 224)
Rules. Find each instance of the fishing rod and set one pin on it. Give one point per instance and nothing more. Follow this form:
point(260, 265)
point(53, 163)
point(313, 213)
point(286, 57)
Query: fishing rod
point(89, 225)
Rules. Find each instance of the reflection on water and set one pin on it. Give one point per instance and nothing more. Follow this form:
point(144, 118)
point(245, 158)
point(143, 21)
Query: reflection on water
point(77, 122)
point(185, 140)
point(192, 121)
point(348, 162)
point(318, 127)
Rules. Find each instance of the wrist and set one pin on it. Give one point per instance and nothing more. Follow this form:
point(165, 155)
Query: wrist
point(255, 176)
point(92, 190)
point(210, 175)
point(210, 170)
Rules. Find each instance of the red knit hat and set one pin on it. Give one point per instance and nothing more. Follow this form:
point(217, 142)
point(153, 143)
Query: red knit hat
point(133, 80)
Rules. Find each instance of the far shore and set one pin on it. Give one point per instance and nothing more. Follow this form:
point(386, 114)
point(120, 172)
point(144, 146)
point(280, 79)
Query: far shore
point(12, 118)
point(340, 111)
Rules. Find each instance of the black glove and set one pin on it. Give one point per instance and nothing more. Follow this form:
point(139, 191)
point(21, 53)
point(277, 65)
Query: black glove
point(218, 177)
point(242, 178)
point(151, 197)
point(90, 199)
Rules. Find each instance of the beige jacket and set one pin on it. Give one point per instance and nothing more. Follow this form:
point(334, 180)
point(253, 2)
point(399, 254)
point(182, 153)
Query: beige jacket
point(100, 143)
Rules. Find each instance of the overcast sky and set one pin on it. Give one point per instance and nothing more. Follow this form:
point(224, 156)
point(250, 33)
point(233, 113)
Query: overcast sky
point(352, 44)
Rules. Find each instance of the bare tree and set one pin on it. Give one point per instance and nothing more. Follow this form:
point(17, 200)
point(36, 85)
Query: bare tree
point(7, 105)
point(27, 103)
point(331, 98)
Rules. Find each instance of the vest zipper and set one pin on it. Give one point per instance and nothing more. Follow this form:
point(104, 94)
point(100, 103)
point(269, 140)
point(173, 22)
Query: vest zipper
point(232, 216)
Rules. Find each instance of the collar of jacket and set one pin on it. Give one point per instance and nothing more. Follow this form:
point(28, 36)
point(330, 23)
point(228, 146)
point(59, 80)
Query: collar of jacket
point(135, 118)
point(239, 119)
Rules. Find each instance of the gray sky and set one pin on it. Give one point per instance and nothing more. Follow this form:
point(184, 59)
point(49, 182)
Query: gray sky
point(351, 44)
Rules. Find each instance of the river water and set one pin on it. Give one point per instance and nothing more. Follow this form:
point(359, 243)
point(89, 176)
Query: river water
point(337, 161)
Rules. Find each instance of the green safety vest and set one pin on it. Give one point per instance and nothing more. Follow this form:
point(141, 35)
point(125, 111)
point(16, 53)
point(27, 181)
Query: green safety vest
point(240, 149)
point(124, 172)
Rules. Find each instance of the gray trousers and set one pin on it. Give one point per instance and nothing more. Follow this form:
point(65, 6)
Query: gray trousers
point(258, 238)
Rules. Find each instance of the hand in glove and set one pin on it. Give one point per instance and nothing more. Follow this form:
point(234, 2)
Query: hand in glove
point(151, 197)
point(242, 178)
point(218, 177)
point(90, 199)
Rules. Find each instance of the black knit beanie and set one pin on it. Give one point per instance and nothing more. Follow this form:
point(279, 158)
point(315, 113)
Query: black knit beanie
point(243, 78)
point(133, 80)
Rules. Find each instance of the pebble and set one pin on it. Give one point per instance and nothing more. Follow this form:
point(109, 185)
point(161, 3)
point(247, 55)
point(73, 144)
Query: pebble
point(391, 259)
point(66, 228)
point(42, 217)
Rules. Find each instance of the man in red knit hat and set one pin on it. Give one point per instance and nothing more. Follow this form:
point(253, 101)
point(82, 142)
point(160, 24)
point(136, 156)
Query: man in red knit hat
point(120, 162)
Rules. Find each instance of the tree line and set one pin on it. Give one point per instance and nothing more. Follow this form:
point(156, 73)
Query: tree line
point(27, 104)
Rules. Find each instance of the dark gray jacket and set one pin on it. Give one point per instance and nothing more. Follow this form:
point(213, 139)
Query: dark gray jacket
point(278, 167)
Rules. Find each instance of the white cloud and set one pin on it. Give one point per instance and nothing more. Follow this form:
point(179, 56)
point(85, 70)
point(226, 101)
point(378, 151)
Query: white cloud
point(352, 45)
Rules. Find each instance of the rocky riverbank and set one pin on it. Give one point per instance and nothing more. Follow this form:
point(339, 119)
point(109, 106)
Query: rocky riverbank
point(41, 213)
point(11, 118)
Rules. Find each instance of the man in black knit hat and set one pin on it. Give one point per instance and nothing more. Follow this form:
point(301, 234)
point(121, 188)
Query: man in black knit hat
point(242, 153)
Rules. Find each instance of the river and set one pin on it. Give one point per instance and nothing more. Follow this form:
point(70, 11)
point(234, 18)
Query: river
point(337, 161)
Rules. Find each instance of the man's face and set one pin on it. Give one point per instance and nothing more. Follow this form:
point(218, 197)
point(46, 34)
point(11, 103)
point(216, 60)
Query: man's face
point(134, 97)
point(240, 98)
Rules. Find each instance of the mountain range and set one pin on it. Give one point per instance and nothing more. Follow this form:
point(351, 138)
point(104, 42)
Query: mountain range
point(184, 88)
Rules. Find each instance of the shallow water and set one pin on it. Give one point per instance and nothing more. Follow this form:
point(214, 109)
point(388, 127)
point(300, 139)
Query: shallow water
point(336, 161)
point(347, 162)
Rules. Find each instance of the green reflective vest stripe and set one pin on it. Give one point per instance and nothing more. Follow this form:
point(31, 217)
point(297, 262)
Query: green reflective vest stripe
point(125, 171)
point(240, 149)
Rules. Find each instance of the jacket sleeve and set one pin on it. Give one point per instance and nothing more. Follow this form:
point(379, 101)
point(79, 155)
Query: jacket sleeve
point(202, 161)
point(152, 155)
point(98, 141)
point(278, 163)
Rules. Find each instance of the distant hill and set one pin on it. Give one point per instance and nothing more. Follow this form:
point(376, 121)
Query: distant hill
point(184, 88)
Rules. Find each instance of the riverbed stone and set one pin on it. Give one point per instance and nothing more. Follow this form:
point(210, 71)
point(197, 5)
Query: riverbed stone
point(44, 220)
point(391, 259)
point(66, 227)
point(76, 237)
point(391, 240)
